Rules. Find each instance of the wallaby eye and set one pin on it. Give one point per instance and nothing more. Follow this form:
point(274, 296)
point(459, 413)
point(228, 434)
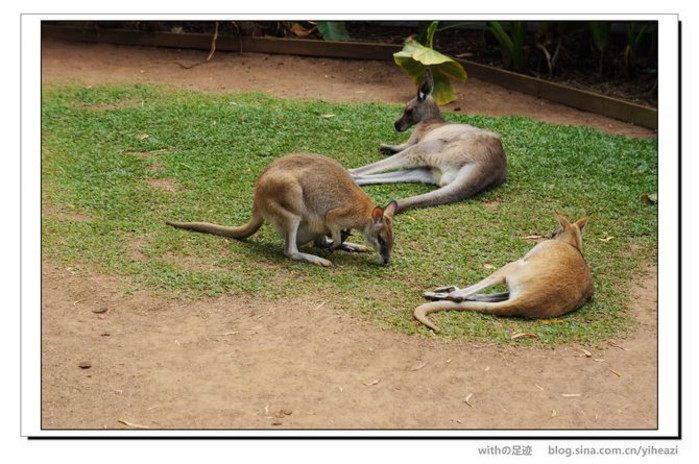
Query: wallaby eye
point(381, 241)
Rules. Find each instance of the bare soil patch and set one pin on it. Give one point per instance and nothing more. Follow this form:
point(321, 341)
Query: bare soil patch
point(240, 363)
point(165, 185)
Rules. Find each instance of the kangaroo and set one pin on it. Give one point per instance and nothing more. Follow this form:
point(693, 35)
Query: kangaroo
point(310, 197)
point(552, 279)
point(461, 159)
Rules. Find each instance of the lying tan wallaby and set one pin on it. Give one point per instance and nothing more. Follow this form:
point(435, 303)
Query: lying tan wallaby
point(310, 198)
point(463, 160)
point(551, 280)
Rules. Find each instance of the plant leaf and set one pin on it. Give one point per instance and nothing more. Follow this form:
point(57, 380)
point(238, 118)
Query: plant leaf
point(333, 30)
point(414, 58)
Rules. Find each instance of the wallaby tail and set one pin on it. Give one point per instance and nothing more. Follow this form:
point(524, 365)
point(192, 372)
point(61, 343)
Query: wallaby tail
point(240, 232)
point(468, 183)
point(503, 308)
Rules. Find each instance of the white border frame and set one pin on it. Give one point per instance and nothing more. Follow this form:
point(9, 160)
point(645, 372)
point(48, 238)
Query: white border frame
point(668, 264)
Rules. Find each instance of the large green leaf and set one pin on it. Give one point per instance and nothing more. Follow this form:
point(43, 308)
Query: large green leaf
point(414, 58)
point(512, 45)
point(600, 34)
point(333, 30)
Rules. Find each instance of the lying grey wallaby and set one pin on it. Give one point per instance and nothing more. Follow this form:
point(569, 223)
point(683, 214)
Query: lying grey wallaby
point(308, 198)
point(552, 279)
point(463, 160)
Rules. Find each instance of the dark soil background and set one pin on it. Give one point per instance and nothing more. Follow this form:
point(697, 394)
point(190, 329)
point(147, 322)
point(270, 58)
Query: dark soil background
point(577, 65)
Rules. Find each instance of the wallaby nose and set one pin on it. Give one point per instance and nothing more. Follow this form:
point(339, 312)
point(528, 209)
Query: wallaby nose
point(385, 260)
point(398, 126)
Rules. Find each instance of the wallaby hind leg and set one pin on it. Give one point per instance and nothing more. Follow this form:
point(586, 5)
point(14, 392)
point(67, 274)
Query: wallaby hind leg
point(420, 175)
point(497, 278)
point(438, 295)
point(290, 228)
point(408, 158)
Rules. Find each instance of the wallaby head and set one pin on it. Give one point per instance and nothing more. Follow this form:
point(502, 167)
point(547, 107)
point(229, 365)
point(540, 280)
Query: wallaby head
point(421, 108)
point(379, 231)
point(570, 233)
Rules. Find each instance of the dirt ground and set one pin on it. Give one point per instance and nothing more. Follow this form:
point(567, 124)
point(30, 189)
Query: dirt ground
point(235, 363)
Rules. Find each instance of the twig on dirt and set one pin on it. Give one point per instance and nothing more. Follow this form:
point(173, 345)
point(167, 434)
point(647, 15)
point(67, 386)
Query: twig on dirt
point(614, 372)
point(467, 400)
point(320, 305)
point(132, 425)
point(571, 395)
point(526, 335)
point(585, 352)
point(208, 57)
point(616, 345)
point(418, 367)
point(213, 43)
point(373, 382)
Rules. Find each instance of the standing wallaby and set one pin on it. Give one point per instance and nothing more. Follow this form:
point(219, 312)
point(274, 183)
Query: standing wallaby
point(310, 198)
point(552, 279)
point(463, 160)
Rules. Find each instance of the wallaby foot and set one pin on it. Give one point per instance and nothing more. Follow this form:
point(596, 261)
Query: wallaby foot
point(309, 258)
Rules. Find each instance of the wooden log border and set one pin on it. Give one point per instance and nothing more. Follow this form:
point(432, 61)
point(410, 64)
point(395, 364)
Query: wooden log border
point(580, 99)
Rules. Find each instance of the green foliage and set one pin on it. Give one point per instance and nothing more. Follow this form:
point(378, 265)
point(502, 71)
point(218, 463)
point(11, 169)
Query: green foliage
point(599, 30)
point(634, 37)
point(513, 45)
point(415, 58)
point(107, 150)
point(333, 30)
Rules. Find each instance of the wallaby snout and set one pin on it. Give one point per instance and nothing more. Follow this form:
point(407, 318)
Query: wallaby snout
point(379, 232)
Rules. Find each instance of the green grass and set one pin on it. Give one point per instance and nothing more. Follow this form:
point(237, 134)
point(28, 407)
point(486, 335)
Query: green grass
point(102, 145)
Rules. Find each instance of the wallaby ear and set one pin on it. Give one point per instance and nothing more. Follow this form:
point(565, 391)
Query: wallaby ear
point(390, 209)
point(561, 220)
point(581, 222)
point(377, 214)
point(425, 89)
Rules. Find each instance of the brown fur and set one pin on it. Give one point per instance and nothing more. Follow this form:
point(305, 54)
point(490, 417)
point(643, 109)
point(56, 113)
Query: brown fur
point(552, 279)
point(462, 160)
point(308, 198)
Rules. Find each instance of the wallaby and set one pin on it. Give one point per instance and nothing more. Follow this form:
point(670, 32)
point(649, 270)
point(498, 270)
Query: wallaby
point(552, 279)
point(461, 159)
point(308, 198)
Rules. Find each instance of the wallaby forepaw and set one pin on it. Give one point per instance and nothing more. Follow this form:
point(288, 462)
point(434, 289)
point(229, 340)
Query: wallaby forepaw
point(386, 149)
point(353, 247)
